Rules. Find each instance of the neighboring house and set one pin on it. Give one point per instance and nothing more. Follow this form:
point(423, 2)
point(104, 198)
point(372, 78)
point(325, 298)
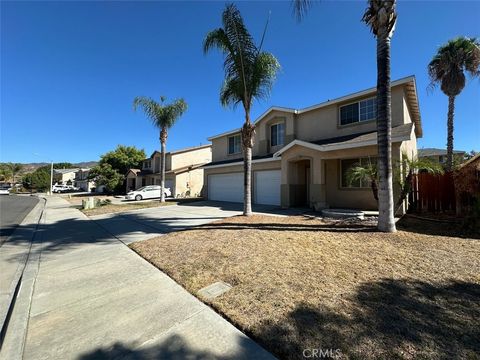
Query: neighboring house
point(82, 181)
point(301, 157)
point(183, 171)
point(64, 176)
point(440, 155)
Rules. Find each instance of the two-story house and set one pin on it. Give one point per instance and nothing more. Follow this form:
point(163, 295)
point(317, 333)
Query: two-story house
point(82, 181)
point(64, 176)
point(439, 156)
point(301, 156)
point(183, 171)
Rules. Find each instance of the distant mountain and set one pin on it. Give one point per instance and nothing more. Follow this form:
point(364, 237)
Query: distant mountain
point(29, 167)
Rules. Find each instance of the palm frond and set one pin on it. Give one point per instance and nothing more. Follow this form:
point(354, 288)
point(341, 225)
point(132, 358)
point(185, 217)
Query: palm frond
point(217, 39)
point(161, 115)
point(264, 73)
point(452, 60)
point(360, 172)
point(300, 8)
point(380, 14)
point(249, 72)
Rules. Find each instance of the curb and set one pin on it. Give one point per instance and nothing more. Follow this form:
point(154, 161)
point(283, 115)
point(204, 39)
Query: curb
point(26, 231)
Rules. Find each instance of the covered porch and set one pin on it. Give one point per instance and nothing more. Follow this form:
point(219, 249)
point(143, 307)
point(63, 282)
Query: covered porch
point(314, 174)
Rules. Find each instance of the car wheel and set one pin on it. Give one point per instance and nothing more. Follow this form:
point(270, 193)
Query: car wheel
point(138, 197)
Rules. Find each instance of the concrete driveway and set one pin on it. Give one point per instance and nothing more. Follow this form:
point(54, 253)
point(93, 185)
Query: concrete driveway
point(142, 224)
point(85, 295)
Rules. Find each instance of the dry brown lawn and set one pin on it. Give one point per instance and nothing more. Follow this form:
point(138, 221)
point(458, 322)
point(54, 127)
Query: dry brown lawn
point(116, 208)
point(303, 283)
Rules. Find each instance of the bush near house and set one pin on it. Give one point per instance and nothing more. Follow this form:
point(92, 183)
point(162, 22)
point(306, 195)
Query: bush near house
point(113, 166)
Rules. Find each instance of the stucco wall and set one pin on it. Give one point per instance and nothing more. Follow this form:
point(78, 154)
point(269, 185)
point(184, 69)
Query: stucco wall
point(322, 123)
point(220, 149)
point(193, 157)
point(189, 181)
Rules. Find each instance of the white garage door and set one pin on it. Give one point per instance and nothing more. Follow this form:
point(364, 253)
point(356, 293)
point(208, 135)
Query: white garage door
point(226, 187)
point(267, 187)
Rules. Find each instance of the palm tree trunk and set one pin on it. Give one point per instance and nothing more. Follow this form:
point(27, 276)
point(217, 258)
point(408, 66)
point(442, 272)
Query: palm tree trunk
point(248, 131)
point(386, 221)
point(451, 111)
point(163, 142)
point(407, 187)
point(374, 186)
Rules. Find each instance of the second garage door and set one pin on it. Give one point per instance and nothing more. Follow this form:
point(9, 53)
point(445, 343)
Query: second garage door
point(226, 187)
point(267, 187)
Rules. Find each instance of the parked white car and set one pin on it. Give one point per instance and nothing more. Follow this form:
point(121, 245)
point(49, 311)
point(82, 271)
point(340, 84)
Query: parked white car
point(59, 188)
point(147, 192)
point(4, 191)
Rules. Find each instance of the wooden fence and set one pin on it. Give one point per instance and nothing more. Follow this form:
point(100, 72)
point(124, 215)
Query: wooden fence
point(432, 193)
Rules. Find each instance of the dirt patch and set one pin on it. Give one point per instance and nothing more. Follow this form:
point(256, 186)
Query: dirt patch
point(302, 284)
point(113, 208)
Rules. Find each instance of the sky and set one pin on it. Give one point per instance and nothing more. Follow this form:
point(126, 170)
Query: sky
point(71, 69)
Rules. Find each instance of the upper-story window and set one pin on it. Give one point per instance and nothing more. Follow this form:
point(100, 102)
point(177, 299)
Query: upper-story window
point(147, 164)
point(360, 111)
point(277, 134)
point(234, 144)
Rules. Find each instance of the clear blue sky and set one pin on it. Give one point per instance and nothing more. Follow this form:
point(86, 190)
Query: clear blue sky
point(70, 70)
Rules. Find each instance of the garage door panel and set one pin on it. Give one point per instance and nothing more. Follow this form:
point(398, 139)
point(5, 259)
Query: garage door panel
point(226, 187)
point(267, 187)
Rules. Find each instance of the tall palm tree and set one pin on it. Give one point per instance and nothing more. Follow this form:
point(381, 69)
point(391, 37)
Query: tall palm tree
point(249, 74)
point(448, 68)
point(163, 116)
point(380, 15)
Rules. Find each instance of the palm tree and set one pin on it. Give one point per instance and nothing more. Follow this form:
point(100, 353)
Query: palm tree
point(380, 15)
point(407, 166)
point(448, 68)
point(249, 74)
point(366, 172)
point(163, 116)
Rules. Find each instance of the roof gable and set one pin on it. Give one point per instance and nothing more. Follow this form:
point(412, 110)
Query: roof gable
point(411, 95)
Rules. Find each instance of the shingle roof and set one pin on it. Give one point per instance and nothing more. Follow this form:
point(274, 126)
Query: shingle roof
point(65, 171)
point(436, 152)
point(237, 160)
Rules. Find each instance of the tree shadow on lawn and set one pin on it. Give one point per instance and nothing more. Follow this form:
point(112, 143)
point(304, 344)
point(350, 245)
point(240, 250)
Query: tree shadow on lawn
point(334, 227)
point(389, 319)
point(435, 228)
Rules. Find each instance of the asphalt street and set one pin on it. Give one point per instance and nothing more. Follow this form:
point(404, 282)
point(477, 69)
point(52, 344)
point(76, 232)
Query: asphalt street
point(13, 209)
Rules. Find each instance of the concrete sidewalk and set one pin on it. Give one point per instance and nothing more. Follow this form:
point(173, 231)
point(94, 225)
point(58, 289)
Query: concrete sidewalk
point(93, 298)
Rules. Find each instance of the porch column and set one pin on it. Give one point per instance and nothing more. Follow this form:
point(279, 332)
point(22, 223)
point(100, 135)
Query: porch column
point(318, 196)
point(284, 185)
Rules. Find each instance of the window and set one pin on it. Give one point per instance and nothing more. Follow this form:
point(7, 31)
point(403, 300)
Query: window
point(147, 164)
point(360, 111)
point(277, 134)
point(347, 164)
point(234, 144)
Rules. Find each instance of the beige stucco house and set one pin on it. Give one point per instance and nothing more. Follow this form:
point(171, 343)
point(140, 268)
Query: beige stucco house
point(301, 156)
point(183, 171)
point(440, 155)
point(64, 176)
point(82, 181)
